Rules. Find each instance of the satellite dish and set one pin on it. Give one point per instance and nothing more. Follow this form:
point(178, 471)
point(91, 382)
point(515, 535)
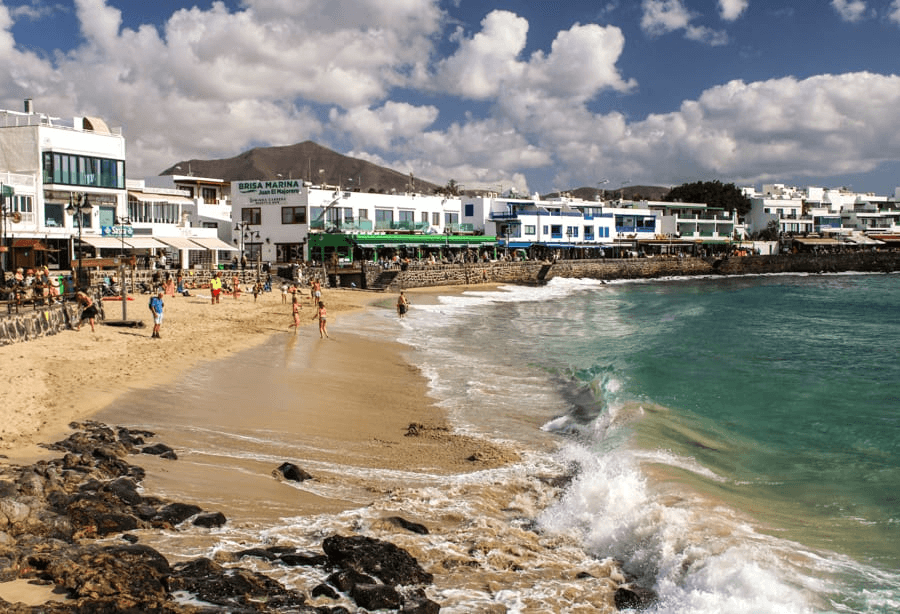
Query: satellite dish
point(16, 217)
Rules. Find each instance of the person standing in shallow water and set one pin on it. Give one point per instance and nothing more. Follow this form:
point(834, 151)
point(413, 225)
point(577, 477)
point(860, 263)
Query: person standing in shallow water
point(402, 305)
point(322, 314)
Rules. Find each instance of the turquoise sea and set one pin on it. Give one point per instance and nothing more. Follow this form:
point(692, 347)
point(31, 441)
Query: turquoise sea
point(735, 441)
point(733, 444)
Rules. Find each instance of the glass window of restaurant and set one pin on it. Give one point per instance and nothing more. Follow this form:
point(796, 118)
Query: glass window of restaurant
point(251, 215)
point(293, 215)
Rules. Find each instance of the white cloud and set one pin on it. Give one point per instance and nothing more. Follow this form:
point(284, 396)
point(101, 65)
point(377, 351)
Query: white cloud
point(741, 131)
point(850, 10)
point(664, 16)
point(487, 61)
point(36, 9)
point(732, 9)
point(384, 126)
point(894, 11)
point(581, 62)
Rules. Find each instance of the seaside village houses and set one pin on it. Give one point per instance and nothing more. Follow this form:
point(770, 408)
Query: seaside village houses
point(67, 202)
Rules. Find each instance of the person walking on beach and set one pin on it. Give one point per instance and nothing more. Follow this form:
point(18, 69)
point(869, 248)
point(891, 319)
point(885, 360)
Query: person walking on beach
point(236, 286)
point(295, 312)
point(317, 292)
point(402, 305)
point(88, 311)
point(322, 314)
point(215, 287)
point(156, 308)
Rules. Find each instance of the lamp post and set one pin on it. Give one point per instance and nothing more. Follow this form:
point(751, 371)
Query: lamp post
point(123, 224)
point(79, 206)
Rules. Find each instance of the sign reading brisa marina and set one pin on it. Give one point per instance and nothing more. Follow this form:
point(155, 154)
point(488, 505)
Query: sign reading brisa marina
point(263, 192)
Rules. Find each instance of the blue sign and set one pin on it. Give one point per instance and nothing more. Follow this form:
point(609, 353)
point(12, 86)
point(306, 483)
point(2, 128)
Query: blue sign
point(117, 231)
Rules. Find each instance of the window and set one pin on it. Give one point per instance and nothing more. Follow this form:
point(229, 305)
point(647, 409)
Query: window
point(436, 219)
point(571, 231)
point(363, 214)
point(546, 229)
point(530, 230)
point(22, 204)
point(588, 233)
point(424, 217)
point(451, 218)
point(251, 215)
point(106, 216)
point(556, 231)
point(53, 215)
point(293, 215)
point(209, 195)
point(469, 210)
point(71, 169)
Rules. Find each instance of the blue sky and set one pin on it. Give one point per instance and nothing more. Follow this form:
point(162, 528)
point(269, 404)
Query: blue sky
point(512, 93)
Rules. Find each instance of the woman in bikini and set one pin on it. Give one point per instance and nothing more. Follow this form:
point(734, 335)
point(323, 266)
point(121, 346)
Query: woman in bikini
point(322, 314)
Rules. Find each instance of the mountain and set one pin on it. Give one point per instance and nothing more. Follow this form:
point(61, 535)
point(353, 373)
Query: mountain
point(630, 192)
point(307, 160)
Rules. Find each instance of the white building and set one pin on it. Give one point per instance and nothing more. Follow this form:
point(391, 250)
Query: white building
point(819, 210)
point(275, 221)
point(49, 164)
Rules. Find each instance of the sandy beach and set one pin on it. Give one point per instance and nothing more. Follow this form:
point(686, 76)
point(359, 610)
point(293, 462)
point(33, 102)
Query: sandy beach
point(54, 380)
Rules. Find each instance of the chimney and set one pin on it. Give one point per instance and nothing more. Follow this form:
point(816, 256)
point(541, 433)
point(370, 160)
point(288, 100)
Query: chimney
point(29, 107)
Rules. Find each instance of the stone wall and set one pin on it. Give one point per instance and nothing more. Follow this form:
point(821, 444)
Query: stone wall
point(532, 272)
point(31, 323)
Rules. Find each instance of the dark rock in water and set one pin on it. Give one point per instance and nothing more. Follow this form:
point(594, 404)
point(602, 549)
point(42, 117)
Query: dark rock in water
point(304, 560)
point(419, 604)
point(413, 527)
point(292, 472)
point(209, 520)
point(175, 513)
point(346, 579)
point(260, 553)
point(387, 562)
point(375, 596)
point(323, 590)
point(119, 577)
point(635, 598)
point(232, 588)
point(160, 449)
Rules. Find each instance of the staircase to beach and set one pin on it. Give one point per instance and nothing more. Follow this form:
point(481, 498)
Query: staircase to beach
point(384, 280)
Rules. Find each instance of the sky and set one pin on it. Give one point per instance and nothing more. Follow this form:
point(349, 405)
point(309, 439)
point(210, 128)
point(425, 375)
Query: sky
point(531, 95)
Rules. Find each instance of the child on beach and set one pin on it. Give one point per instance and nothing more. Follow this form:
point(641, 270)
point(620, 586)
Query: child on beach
point(295, 311)
point(322, 314)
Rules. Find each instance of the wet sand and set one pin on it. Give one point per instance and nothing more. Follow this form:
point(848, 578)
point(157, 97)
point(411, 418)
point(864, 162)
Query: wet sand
point(348, 400)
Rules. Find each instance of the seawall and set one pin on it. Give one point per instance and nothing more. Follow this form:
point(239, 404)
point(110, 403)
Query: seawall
point(531, 272)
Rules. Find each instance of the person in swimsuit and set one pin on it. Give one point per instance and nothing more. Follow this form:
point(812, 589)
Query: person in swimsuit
point(295, 311)
point(322, 314)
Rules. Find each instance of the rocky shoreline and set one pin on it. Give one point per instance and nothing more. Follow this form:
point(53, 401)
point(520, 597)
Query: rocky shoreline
point(52, 512)
point(59, 517)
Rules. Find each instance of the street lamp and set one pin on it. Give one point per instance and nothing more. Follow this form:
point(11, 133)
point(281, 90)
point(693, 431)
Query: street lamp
point(241, 227)
point(80, 206)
